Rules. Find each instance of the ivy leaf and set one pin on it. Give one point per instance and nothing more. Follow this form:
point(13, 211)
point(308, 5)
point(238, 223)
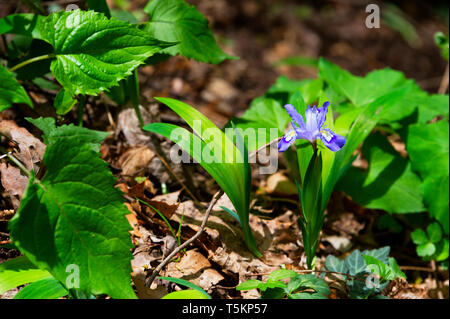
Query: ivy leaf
point(11, 91)
point(177, 21)
point(75, 216)
point(428, 149)
point(249, 284)
point(94, 53)
point(355, 263)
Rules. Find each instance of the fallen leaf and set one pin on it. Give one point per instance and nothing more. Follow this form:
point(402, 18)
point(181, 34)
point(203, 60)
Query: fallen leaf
point(135, 160)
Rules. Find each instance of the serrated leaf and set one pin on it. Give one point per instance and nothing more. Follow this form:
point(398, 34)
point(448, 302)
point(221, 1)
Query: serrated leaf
point(93, 53)
point(11, 91)
point(428, 149)
point(19, 271)
point(47, 288)
point(74, 216)
point(177, 21)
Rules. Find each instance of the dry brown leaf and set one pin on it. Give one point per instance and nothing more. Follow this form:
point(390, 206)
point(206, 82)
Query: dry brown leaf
point(13, 182)
point(280, 184)
point(31, 149)
point(135, 160)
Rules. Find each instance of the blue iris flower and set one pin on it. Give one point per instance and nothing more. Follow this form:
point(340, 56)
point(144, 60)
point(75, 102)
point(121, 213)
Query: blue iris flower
point(312, 130)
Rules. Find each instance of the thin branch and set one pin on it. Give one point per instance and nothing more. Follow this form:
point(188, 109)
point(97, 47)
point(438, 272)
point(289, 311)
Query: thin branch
point(444, 82)
point(416, 268)
point(155, 273)
point(307, 271)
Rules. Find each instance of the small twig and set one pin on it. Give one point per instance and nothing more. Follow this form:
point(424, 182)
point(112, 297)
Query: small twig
point(155, 273)
point(176, 177)
point(251, 154)
point(5, 242)
point(312, 270)
point(416, 268)
point(444, 82)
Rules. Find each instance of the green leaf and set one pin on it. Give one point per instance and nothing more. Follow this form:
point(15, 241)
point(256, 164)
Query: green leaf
point(355, 263)
point(64, 102)
point(281, 274)
point(186, 284)
point(308, 281)
point(335, 264)
point(185, 294)
point(360, 91)
point(442, 250)
point(177, 21)
point(426, 250)
point(381, 254)
point(395, 269)
point(11, 91)
point(264, 113)
point(93, 53)
point(442, 42)
point(249, 284)
point(47, 288)
point(19, 271)
point(99, 6)
point(81, 135)
point(388, 178)
point(305, 295)
point(419, 237)
point(297, 61)
point(428, 149)
point(25, 24)
point(228, 165)
point(434, 232)
point(377, 267)
point(275, 293)
point(74, 217)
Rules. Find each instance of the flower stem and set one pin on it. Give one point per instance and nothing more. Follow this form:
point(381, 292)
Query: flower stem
point(35, 59)
point(18, 163)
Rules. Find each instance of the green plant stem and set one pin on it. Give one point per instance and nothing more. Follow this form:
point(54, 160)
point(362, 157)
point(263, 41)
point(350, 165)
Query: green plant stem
point(160, 215)
point(134, 82)
point(32, 60)
point(19, 164)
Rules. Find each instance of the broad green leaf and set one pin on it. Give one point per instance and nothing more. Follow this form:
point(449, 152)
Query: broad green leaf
point(360, 91)
point(298, 61)
point(355, 263)
point(249, 284)
point(388, 178)
point(64, 102)
point(434, 232)
point(185, 294)
point(395, 269)
point(53, 134)
point(426, 250)
point(47, 288)
point(177, 21)
point(419, 237)
point(428, 149)
point(74, 218)
point(19, 271)
point(377, 267)
point(186, 284)
point(93, 53)
point(442, 250)
point(21, 23)
point(274, 293)
point(281, 274)
point(227, 164)
point(11, 91)
point(272, 285)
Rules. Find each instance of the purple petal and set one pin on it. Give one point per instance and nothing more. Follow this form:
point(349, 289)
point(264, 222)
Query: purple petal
point(311, 119)
point(295, 115)
point(332, 140)
point(322, 114)
point(286, 141)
